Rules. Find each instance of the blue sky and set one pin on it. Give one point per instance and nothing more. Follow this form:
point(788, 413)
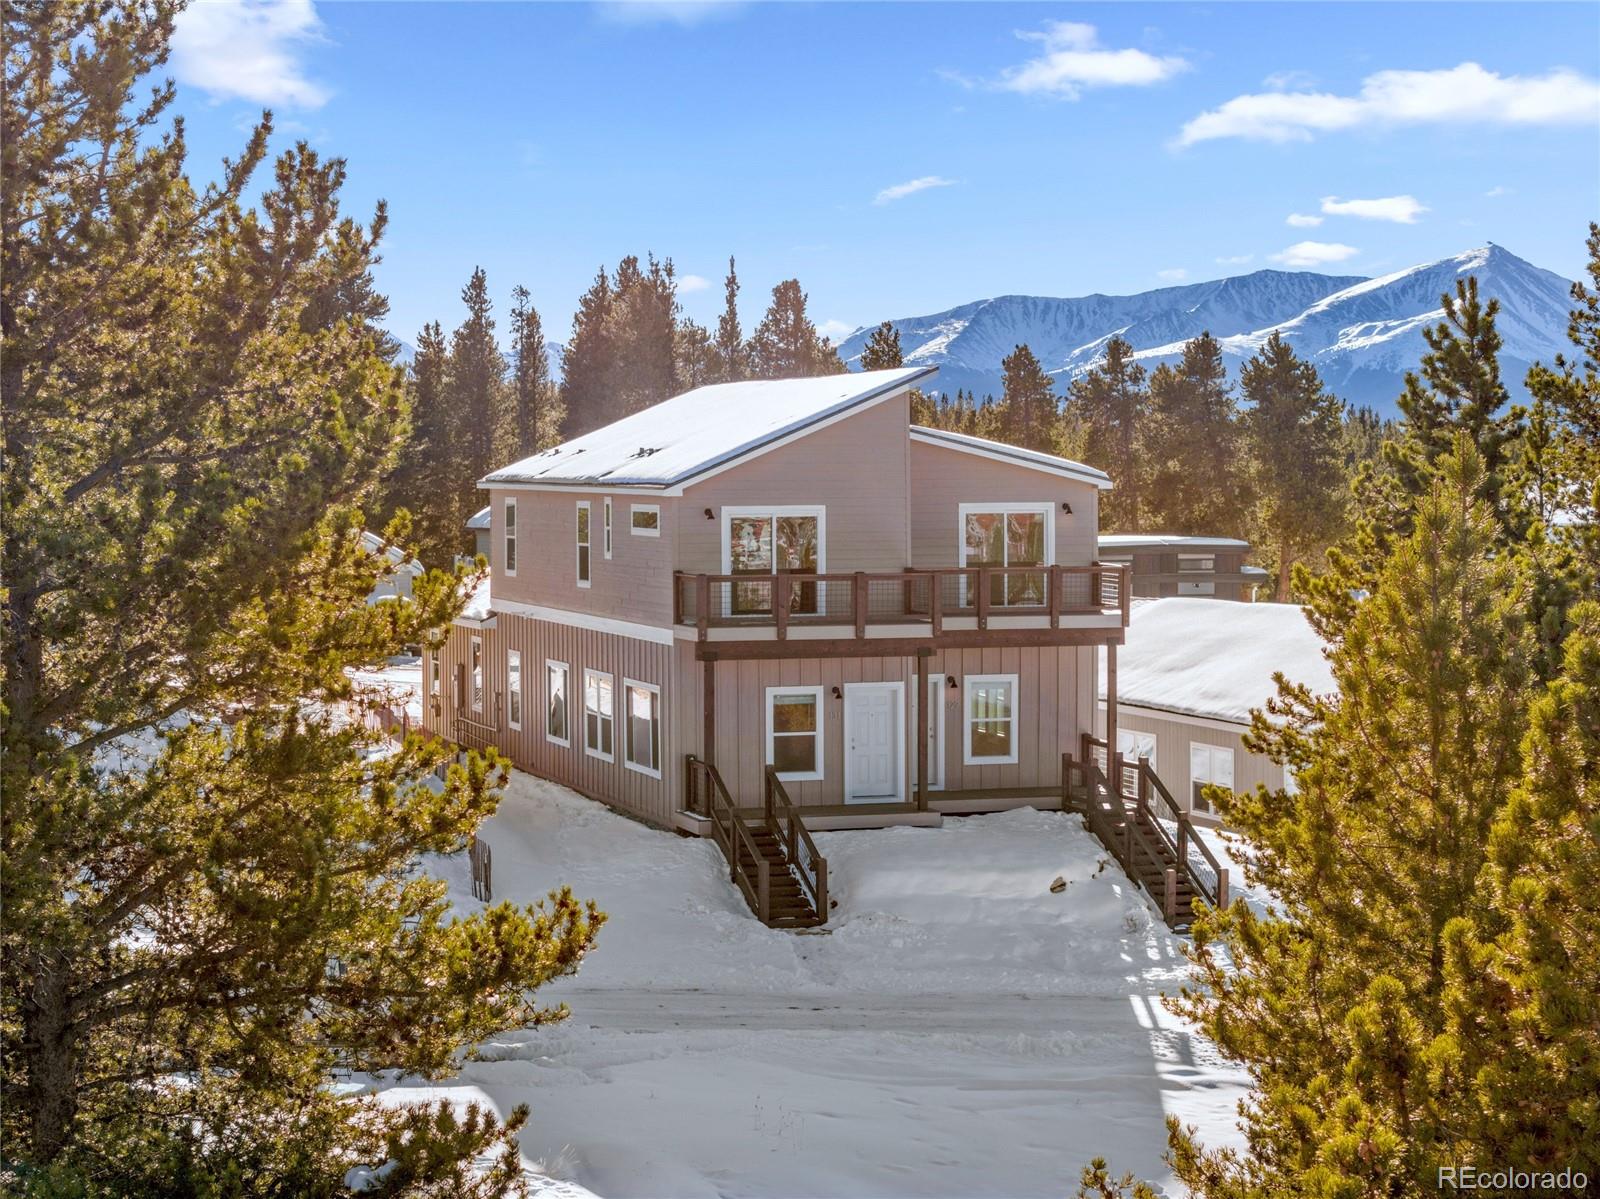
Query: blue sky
point(903, 158)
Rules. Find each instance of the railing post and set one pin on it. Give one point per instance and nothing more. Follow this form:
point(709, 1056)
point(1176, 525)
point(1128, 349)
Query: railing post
point(780, 608)
point(858, 603)
point(702, 600)
point(677, 597)
point(1125, 592)
point(821, 865)
point(983, 597)
point(1169, 901)
point(1222, 887)
point(1053, 579)
point(764, 889)
point(936, 602)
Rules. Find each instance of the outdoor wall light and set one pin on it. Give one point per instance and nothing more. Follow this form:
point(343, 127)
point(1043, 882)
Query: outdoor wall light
point(710, 515)
point(951, 679)
point(837, 694)
point(1066, 507)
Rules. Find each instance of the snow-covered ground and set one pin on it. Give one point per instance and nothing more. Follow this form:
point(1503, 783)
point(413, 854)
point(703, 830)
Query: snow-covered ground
point(960, 1030)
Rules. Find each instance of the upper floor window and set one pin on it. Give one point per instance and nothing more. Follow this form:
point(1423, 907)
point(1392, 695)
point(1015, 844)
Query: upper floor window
point(1010, 535)
point(1196, 562)
point(607, 531)
point(511, 537)
point(763, 541)
point(583, 543)
point(645, 520)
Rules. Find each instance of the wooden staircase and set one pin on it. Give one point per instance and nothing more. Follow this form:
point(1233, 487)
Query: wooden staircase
point(1151, 837)
point(771, 857)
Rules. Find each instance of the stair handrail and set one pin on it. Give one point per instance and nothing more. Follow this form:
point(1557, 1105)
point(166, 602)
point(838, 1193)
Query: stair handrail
point(1188, 835)
point(800, 851)
point(733, 838)
point(1121, 841)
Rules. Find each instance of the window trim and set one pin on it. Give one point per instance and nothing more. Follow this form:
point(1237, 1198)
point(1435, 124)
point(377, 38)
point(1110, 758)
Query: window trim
point(731, 512)
point(821, 759)
point(476, 681)
point(435, 675)
point(587, 749)
point(508, 537)
point(1209, 564)
point(967, 756)
point(627, 727)
point(514, 685)
point(1213, 750)
point(607, 528)
point(634, 511)
point(566, 702)
point(578, 547)
point(1137, 736)
point(1006, 508)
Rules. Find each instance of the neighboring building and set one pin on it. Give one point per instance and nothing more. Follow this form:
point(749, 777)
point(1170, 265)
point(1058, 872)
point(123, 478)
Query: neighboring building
point(1187, 679)
point(1165, 564)
point(901, 621)
point(397, 583)
point(478, 526)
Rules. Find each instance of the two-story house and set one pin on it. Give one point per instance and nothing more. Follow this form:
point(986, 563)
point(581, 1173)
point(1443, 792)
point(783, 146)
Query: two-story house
point(786, 586)
point(1167, 564)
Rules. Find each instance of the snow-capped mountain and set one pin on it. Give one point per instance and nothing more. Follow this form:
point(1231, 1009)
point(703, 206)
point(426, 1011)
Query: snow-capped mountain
point(1362, 334)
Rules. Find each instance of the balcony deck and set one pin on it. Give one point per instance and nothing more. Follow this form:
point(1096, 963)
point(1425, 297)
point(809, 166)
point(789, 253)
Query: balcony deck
point(766, 615)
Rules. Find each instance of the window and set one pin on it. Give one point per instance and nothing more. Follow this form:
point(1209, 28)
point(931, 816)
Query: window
point(514, 687)
point(1009, 535)
point(1208, 764)
point(608, 527)
point(435, 669)
point(1190, 563)
point(511, 537)
point(477, 674)
point(555, 703)
point(642, 730)
point(794, 732)
point(599, 717)
point(645, 520)
point(1132, 745)
point(583, 543)
point(763, 541)
point(991, 719)
point(1196, 587)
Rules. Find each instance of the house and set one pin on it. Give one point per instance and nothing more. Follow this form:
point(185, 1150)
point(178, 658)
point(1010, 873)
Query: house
point(1167, 564)
point(784, 593)
point(1188, 676)
point(478, 526)
point(396, 583)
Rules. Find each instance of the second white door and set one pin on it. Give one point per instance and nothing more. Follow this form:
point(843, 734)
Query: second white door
point(874, 742)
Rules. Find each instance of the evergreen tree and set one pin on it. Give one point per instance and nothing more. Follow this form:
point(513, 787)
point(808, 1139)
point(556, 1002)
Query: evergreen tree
point(696, 356)
point(1293, 430)
point(586, 361)
point(732, 358)
point(883, 349)
point(428, 481)
point(1026, 415)
point(204, 875)
point(786, 345)
point(1111, 400)
point(1194, 447)
point(535, 404)
point(644, 336)
point(475, 387)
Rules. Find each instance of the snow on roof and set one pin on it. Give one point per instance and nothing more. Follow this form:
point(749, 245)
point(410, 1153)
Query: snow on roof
point(1215, 658)
point(1011, 453)
point(374, 544)
point(479, 519)
point(676, 440)
point(478, 602)
point(1132, 541)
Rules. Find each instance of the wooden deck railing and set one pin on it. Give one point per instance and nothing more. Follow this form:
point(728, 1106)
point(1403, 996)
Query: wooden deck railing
point(1124, 838)
point(783, 822)
point(729, 831)
point(786, 599)
point(474, 734)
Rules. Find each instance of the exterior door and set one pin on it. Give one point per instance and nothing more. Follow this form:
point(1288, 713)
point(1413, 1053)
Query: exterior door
point(873, 742)
point(932, 710)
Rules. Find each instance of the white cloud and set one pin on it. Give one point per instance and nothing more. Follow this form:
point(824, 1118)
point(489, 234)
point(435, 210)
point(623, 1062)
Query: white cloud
point(248, 50)
point(1314, 253)
point(1074, 59)
point(1463, 94)
point(1301, 220)
point(684, 13)
point(691, 283)
point(910, 188)
point(1498, 189)
point(1235, 259)
point(1176, 274)
point(1402, 210)
point(835, 331)
point(1282, 81)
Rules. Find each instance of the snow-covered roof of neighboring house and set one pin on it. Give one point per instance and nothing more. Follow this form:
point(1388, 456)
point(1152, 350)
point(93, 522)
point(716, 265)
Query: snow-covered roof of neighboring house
point(1134, 541)
point(1215, 658)
point(478, 602)
point(479, 519)
point(998, 450)
point(679, 440)
point(374, 544)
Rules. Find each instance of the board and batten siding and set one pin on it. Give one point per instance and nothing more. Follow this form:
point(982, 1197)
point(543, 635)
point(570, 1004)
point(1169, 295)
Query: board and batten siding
point(1173, 733)
point(943, 479)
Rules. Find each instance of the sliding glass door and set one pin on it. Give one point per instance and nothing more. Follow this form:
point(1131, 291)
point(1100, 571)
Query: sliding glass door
point(763, 543)
point(1008, 537)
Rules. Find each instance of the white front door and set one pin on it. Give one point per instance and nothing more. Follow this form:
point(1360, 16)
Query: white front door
point(874, 742)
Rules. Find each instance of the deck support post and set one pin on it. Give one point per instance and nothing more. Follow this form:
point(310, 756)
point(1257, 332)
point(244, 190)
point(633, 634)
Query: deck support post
point(1111, 711)
point(924, 715)
point(708, 748)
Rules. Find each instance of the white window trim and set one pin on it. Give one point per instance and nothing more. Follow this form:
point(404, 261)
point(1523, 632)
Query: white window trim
point(577, 558)
point(809, 776)
point(967, 682)
point(775, 511)
point(1136, 736)
point(627, 725)
point(635, 510)
point(435, 675)
point(515, 690)
point(508, 538)
point(612, 679)
point(1044, 506)
point(477, 677)
point(608, 527)
point(898, 690)
point(1233, 763)
point(566, 699)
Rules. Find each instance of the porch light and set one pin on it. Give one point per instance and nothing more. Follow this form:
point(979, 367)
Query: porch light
point(951, 679)
point(837, 694)
point(1066, 507)
point(710, 515)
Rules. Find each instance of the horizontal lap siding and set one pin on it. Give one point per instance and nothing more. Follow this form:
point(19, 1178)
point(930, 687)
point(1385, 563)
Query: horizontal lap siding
point(1173, 736)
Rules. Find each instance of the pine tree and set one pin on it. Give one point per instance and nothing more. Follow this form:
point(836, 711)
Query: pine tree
point(535, 404)
point(586, 360)
point(428, 479)
point(786, 345)
point(644, 318)
point(883, 349)
point(732, 358)
point(696, 356)
point(1193, 446)
point(475, 387)
point(1027, 412)
point(1293, 431)
point(192, 435)
point(1111, 400)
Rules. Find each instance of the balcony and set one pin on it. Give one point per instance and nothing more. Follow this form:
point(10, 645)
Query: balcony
point(956, 606)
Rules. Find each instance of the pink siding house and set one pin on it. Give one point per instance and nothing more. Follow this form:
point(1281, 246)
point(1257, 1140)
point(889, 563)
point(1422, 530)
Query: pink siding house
point(763, 607)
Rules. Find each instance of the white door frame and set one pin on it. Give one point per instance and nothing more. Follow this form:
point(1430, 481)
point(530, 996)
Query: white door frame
point(898, 722)
point(935, 702)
